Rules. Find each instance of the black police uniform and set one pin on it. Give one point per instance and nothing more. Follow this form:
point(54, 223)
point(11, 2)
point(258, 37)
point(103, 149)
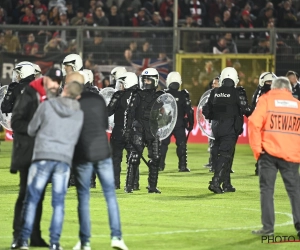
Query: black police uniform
point(13, 91)
point(258, 92)
point(225, 107)
point(117, 106)
point(184, 108)
point(137, 126)
point(296, 90)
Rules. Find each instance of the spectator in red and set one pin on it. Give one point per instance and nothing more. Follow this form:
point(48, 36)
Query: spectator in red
point(89, 21)
point(140, 19)
point(198, 12)
point(31, 47)
point(164, 8)
point(128, 8)
point(54, 16)
point(246, 22)
point(114, 18)
point(39, 7)
point(29, 17)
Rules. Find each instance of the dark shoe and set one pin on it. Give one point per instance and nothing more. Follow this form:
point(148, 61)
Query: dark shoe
point(117, 187)
point(14, 244)
point(23, 244)
point(136, 187)
point(153, 190)
point(298, 234)
point(211, 170)
point(161, 168)
point(231, 171)
point(262, 232)
point(128, 190)
point(215, 189)
point(93, 185)
point(229, 188)
point(184, 170)
point(38, 243)
point(55, 246)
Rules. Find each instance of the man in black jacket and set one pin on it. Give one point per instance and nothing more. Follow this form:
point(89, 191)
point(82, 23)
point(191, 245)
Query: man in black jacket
point(293, 77)
point(26, 105)
point(118, 105)
point(185, 120)
point(92, 154)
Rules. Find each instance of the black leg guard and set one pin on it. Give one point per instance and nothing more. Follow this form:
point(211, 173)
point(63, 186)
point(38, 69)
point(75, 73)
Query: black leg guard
point(133, 163)
point(153, 177)
point(256, 168)
point(136, 185)
point(182, 157)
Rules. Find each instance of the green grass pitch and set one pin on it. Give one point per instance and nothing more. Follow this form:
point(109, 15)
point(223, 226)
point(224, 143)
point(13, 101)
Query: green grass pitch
point(186, 215)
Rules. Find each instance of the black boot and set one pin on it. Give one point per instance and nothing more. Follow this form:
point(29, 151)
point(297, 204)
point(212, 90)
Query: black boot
point(227, 187)
point(214, 186)
point(182, 166)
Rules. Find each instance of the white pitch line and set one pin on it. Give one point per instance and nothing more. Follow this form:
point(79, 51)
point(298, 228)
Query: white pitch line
point(290, 222)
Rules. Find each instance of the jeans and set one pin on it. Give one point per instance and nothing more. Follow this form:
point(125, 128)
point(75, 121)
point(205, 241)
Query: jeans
point(39, 174)
point(104, 171)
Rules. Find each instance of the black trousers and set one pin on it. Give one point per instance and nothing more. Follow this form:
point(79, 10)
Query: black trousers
point(18, 220)
point(223, 149)
point(268, 167)
point(181, 149)
point(118, 144)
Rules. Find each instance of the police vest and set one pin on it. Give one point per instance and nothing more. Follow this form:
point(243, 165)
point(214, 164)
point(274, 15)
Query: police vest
point(225, 103)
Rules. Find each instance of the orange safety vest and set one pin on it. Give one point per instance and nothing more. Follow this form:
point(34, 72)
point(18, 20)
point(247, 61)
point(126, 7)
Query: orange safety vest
point(274, 126)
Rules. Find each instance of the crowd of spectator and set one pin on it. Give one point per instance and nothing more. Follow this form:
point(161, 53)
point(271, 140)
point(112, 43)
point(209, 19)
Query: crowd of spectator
point(122, 47)
point(146, 13)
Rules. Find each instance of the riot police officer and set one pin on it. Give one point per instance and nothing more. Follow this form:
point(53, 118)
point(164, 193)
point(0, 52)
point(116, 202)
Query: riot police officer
point(264, 85)
point(24, 73)
point(225, 107)
point(137, 126)
point(117, 106)
point(184, 109)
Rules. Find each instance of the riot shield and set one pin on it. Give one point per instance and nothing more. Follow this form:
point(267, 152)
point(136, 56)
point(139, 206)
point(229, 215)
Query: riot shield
point(107, 94)
point(163, 116)
point(204, 124)
point(5, 119)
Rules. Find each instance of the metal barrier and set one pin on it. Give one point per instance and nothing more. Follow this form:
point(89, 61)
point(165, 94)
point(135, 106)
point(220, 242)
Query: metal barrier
point(105, 47)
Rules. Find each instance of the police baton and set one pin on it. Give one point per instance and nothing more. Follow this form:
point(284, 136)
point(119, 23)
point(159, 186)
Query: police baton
point(139, 153)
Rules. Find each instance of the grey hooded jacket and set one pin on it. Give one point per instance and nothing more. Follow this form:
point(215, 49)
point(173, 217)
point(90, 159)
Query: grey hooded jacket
point(56, 124)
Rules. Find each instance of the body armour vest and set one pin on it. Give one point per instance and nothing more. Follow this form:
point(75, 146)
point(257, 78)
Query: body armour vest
point(225, 103)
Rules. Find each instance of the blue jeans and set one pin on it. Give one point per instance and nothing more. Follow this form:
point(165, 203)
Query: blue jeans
point(39, 174)
point(104, 171)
